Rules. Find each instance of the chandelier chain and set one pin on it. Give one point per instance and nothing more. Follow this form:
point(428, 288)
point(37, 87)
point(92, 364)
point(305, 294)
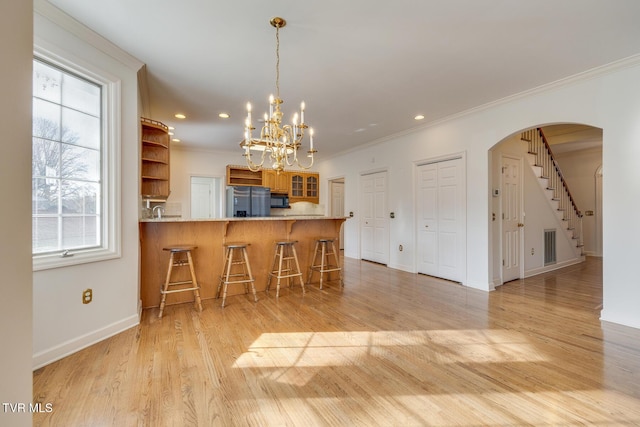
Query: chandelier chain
point(278, 62)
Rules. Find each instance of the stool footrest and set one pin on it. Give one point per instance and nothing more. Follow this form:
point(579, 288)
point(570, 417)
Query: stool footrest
point(172, 291)
point(283, 276)
point(186, 282)
point(238, 281)
point(325, 270)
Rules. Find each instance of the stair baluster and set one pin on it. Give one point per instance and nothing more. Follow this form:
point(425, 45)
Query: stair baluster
point(538, 146)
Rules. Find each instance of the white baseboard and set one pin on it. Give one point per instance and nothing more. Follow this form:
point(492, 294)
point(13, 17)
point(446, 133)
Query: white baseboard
point(69, 347)
point(552, 267)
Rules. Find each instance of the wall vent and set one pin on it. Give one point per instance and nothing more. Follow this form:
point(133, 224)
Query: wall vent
point(549, 247)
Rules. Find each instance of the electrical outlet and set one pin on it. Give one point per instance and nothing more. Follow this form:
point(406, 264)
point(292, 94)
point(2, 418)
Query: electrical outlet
point(87, 296)
point(400, 248)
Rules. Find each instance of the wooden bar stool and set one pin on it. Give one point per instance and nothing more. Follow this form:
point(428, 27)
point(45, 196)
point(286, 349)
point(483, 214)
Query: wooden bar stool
point(285, 252)
point(325, 247)
point(236, 255)
point(180, 257)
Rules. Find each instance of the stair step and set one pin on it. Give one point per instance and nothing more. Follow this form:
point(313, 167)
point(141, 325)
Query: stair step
point(532, 152)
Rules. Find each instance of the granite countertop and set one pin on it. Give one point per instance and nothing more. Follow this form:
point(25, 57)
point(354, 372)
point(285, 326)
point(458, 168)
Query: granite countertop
point(267, 218)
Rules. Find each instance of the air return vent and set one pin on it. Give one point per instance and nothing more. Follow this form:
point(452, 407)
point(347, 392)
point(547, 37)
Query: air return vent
point(549, 247)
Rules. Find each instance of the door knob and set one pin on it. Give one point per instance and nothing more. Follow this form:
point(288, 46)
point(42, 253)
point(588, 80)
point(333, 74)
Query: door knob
point(426, 226)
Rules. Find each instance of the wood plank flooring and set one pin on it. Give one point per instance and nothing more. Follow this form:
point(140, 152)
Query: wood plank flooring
point(390, 349)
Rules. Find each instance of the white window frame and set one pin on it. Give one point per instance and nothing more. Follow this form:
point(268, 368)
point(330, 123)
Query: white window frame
point(110, 247)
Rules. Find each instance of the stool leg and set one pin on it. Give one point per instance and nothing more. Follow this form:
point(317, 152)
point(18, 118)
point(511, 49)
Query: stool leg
point(313, 263)
point(244, 260)
point(196, 291)
point(224, 267)
point(335, 256)
point(323, 245)
point(295, 258)
point(228, 273)
point(281, 254)
point(248, 268)
point(165, 287)
point(273, 265)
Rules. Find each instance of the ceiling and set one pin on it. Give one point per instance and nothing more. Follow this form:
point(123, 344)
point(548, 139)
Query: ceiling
point(364, 71)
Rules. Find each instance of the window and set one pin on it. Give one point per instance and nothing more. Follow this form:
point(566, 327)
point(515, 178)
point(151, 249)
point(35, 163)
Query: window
point(73, 212)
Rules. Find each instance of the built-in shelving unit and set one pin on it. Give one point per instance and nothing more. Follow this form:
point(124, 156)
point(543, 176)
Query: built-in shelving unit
point(242, 175)
point(155, 160)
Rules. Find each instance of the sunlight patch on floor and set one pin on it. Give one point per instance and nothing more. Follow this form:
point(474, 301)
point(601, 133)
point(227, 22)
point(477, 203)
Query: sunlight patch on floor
point(316, 349)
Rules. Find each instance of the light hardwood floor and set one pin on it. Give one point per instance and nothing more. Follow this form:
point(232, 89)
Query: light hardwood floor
point(390, 349)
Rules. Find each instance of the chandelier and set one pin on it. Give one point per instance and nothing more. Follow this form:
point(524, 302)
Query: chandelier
point(279, 142)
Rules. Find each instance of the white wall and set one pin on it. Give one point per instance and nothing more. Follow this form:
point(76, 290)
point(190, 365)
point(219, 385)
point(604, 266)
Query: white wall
point(16, 47)
point(61, 323)
point(608, 98)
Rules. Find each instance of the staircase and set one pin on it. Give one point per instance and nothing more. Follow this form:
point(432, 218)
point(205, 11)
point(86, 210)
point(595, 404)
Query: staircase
point(553, 183)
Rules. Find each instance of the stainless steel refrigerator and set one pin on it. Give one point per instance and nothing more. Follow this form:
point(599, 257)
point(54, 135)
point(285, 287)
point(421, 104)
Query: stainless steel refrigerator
point(244, 201)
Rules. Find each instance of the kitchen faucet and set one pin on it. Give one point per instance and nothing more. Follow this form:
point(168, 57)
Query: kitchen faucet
point(159, 212)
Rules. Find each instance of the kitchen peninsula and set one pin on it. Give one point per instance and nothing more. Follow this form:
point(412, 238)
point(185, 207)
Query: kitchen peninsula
point(209, 235)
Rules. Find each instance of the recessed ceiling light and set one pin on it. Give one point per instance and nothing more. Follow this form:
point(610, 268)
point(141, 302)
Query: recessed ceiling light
point(419, 117)
point(171, 128)
point(175, 140)
point(180, 116)
point(223, 115)
point(170, 133)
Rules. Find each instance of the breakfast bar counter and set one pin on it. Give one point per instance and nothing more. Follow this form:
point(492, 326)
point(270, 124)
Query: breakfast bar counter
point(209, 235)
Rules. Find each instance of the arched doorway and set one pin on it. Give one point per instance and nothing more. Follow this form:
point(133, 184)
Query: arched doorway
point(577, 152)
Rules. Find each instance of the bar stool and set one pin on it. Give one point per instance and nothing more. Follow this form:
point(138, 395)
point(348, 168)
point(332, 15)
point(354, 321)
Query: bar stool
point(325, 247)
point(236, 255)
point(180, 257)
point(285, 252)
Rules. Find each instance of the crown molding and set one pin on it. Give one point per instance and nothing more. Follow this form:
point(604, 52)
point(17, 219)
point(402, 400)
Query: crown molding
point(82, 32)
point(610, 68)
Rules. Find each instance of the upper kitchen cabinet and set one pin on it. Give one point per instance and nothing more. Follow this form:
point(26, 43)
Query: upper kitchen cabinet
point(155, 160)
point(304, 187)
point(242, 175)
point(277, 182)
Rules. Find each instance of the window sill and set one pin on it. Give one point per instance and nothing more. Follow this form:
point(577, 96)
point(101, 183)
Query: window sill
point(49, 261)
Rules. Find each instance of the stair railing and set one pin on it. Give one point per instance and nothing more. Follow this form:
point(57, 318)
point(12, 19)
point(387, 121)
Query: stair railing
point(539, 146)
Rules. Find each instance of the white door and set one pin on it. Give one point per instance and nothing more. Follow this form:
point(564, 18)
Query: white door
point(512, 219)
point(441, 234)
point(374, 227)
point(205, 197)
point(337, 204)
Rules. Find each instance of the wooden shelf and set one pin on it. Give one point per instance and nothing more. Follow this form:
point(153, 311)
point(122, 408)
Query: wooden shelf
point(154, 143)
point(242, 175)
point(154, 169)
point(164, 162)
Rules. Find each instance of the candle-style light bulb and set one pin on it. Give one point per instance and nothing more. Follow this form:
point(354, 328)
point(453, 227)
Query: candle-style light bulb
point(311, 139)
point(302, 112)
point(270, 105)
